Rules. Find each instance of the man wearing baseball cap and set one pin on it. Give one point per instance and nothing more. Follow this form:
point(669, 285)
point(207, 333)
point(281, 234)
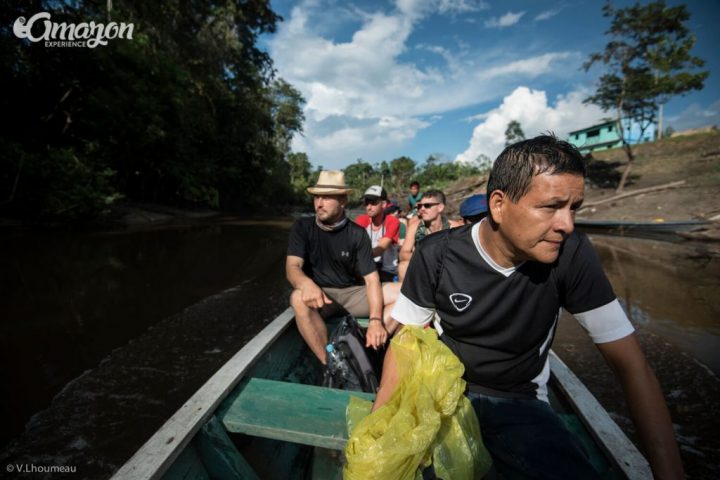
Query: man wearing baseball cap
point(330, 267)
point(383, 230)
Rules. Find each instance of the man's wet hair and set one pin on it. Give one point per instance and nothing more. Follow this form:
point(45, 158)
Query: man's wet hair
point(415, 184)
point(436, 194)
point(516, 166)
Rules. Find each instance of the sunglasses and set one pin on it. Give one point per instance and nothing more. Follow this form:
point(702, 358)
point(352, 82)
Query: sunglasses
point(426, 205)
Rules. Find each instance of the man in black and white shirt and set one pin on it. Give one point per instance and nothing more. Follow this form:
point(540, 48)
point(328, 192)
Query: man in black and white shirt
point(494, 291)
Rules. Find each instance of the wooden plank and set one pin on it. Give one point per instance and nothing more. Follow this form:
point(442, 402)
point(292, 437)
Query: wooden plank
point(219, 455)
point(187, 466)
point(611, 439)
point(304, 414)
point(157, 454)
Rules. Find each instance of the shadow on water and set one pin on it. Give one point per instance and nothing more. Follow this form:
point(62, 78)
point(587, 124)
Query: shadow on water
point(69, 298)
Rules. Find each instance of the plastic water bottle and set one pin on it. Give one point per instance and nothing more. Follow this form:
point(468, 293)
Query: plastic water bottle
point(336, 361)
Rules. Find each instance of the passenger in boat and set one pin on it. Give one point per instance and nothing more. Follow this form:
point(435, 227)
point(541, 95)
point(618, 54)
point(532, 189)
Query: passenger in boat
point(394, 209)
point(331, 269)
point(430, 219)
point(493, 291)
point(413, 197)
point(474, 208)
point(383, 230)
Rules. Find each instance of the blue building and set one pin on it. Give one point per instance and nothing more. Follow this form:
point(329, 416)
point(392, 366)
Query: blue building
point(606, 135)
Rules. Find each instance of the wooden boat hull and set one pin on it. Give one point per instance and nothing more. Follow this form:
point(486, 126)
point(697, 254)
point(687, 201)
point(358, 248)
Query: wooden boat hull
point(291, 429)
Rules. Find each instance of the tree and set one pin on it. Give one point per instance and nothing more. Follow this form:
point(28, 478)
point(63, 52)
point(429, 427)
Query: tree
point(300, 172)
point(402, 169)
point(649, 61)
point(358, 175)
point(483, 163)
point(438, 170)
point(513, 133)
point(188, 112)
point(288, 113)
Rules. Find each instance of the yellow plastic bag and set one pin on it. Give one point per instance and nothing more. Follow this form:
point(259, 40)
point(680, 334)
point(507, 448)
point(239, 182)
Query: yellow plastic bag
point(427, 419)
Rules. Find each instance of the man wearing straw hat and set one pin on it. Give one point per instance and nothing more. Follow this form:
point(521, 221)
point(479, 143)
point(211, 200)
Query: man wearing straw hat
point(331, 269)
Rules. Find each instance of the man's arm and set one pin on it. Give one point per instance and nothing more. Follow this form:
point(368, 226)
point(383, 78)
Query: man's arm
point(311, 294)
point(382, 245)
point(388, 381)
point(647, 405)
point(376, 333)
point(409, 244)
point(391, 235)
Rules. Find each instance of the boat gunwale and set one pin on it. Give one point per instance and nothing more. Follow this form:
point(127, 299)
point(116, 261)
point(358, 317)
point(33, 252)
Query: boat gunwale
point(158, 453)
point(616, 446)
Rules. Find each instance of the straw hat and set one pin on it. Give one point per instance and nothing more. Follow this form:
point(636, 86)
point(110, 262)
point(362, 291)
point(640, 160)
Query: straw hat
point(330, 182)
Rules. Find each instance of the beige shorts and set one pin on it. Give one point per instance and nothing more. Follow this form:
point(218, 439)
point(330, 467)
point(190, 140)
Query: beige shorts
point(348, 300)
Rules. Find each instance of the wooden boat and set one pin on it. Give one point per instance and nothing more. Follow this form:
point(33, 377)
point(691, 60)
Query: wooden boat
point(661, 230)
point(261, 416)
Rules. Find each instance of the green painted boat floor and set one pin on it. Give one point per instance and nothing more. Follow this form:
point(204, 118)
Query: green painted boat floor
point(290, 429)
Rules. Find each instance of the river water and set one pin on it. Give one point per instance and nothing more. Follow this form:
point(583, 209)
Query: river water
point(103, 335)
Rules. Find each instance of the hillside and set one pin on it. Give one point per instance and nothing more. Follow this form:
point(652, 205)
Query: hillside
point(694, 159)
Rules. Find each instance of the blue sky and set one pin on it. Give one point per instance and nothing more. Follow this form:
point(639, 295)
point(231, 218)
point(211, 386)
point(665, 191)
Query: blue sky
point(418, 77)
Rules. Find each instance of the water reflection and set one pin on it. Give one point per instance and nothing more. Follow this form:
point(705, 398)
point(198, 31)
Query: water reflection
point(68, 298)
point(671, 290)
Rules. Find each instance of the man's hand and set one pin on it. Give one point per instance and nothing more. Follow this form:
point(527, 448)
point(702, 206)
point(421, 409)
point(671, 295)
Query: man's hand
point(376, 335)
point(313, 296)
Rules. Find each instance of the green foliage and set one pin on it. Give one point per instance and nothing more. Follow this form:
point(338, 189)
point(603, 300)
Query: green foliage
point(436, 172)
point(513, 133)
point(300, 175)
point(402, 169)
point(188, 112)
point(360, 174)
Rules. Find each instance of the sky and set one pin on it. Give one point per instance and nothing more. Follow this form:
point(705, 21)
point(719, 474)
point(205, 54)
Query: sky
point(383, 79)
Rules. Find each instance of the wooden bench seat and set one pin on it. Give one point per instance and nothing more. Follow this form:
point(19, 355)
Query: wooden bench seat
point(291, 412)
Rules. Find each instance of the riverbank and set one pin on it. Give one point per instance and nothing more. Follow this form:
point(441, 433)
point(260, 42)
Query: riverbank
point(692, 160)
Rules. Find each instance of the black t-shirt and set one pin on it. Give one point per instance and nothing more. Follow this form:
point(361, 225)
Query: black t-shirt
point(501, 327)
point(336, 259)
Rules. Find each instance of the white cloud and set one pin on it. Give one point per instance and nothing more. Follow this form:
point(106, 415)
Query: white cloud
point(531, 109)
point(475, 118)
point(363, 93)
point(368, 140)
point(506, 20)
point(547, 14)
point(694, 116)
point(531, 67)
point(420, 8)
point(461, 6)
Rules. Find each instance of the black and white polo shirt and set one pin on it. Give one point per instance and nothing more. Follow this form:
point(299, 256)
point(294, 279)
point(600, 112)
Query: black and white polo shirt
point(499, 321)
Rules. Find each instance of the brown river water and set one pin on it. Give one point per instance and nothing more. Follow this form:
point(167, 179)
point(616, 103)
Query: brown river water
point(103, 335)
